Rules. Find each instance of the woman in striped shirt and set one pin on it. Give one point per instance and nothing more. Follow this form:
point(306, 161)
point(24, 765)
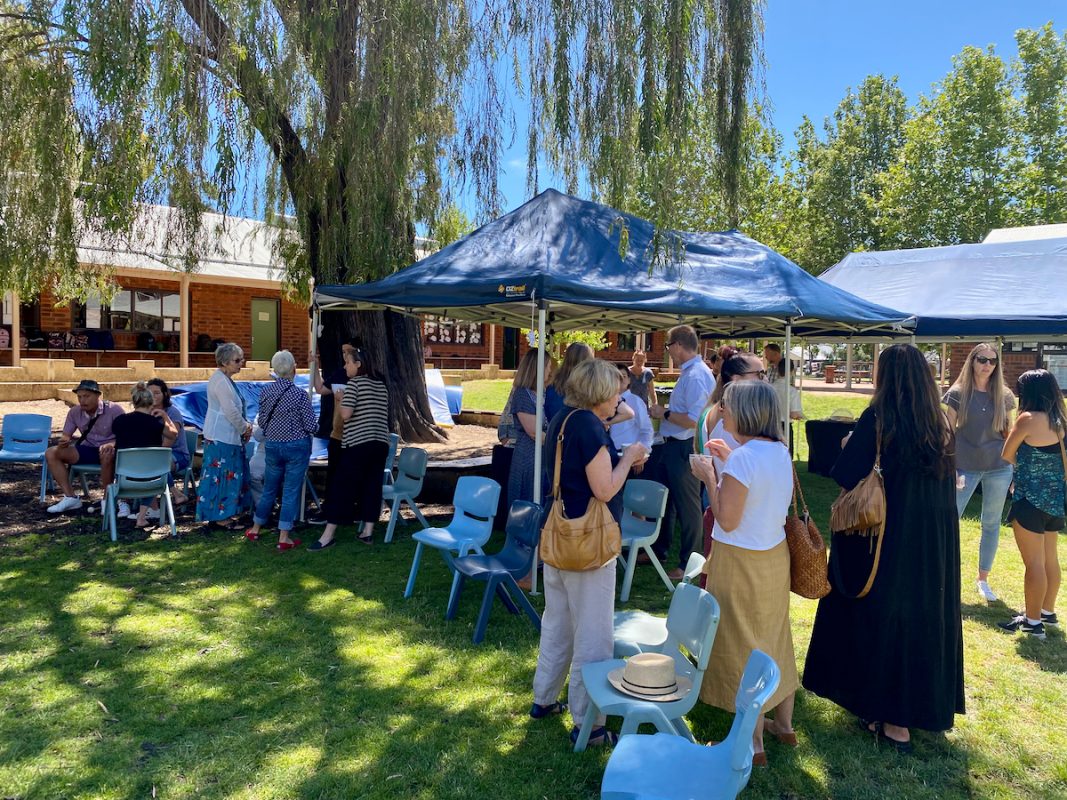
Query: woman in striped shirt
point(356, 493)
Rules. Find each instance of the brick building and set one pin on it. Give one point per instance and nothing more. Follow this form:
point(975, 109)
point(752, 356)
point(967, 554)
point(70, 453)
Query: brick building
point(162, 312)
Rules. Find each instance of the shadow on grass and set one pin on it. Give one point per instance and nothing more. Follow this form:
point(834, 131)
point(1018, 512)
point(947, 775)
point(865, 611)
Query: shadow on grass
point(1050, 655)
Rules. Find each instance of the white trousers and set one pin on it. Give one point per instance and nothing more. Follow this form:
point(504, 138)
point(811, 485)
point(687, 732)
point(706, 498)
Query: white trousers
point(576, 628)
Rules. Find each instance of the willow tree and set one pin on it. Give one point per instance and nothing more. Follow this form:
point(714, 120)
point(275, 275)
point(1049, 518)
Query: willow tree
point(351, 122)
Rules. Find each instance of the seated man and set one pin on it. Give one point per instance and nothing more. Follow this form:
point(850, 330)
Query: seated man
point(92, 419)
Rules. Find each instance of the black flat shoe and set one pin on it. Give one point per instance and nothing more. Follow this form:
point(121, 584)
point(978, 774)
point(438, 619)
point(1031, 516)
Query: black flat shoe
point(316, 546)
point(540, 712)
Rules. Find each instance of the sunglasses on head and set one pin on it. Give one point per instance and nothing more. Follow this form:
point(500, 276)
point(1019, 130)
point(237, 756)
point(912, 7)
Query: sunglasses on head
point(761, 373)
point(986, 359)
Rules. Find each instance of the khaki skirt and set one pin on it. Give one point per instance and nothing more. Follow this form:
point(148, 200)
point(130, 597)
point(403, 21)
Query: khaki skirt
point(752, 587)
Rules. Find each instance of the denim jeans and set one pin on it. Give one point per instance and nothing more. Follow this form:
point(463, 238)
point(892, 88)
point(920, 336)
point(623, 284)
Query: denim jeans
point(287, 464)
point(995, 483)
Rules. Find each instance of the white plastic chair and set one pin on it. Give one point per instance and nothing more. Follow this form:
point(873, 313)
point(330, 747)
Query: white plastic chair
point(140, 472)
point(411, 471)
point(666, 767)
point(692, 621)
point(643, 505)
point(641, 632)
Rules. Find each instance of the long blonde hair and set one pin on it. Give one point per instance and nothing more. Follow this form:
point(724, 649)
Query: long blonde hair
point(998, 391)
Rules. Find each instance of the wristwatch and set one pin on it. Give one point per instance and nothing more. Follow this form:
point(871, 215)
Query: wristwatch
point(667, 414)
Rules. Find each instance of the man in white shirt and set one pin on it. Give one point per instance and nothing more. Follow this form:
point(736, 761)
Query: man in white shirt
point(679, 421)
point(638, 429)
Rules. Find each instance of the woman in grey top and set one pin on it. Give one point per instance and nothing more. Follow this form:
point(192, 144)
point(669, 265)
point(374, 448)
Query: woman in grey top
point(979, 409)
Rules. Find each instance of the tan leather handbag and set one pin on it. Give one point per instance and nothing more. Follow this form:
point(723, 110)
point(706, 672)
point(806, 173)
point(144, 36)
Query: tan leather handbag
point(584, 543)
point(862, 510)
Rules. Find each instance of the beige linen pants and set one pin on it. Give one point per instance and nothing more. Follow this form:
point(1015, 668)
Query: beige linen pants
point(576, 628)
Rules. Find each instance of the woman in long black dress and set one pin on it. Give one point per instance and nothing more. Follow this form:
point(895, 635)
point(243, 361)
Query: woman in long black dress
point(895, 657)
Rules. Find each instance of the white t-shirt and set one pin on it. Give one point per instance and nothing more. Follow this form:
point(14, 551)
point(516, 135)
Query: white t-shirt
point(764, 467)
point(720, 432)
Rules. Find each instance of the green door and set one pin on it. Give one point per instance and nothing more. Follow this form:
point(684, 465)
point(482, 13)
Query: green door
point(264, 329)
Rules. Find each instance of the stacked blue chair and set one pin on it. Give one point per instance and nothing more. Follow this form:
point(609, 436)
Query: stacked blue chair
point(25, 440)
point(410, 473)
point(641, 632)
point(643, 506)
point(471, 526)
point(666, 767)
point(502, 571)
point(140, 472)
point(390, 459)
point(692, 621)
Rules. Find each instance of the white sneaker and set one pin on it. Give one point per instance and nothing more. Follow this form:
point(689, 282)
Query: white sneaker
point(152, 513)
point(124, 511)
point(68, 503)
point(984, 590)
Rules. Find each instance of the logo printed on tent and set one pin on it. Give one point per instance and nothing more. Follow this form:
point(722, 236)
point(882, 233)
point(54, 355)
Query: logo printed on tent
point(514, 290)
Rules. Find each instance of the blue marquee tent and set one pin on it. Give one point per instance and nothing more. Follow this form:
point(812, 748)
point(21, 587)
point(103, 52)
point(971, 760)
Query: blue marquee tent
point(565, 253)
point(1014, 290)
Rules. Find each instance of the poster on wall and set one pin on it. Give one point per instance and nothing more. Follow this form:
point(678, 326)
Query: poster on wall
point(442, 330)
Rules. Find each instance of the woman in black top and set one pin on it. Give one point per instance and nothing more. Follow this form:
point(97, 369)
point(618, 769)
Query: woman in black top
point(894, 658)
point(145, 426)
point(577, 624)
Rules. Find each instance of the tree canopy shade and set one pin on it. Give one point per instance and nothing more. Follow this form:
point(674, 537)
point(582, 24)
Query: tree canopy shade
point(1010, 289)
point(358, 119)
point(593, 266)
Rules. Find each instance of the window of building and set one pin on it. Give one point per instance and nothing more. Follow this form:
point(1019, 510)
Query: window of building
point(29, 313)
point(132, 310)
point(442, 330)
point(627, 341)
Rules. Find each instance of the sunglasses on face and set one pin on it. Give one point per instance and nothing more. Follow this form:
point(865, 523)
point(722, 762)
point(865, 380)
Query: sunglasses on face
point(986, 359)
point(761, 373)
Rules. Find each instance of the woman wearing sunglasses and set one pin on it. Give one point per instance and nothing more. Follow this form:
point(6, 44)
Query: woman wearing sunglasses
point(979, 409)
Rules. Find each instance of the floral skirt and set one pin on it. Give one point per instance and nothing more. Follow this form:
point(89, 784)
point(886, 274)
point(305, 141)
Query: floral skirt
point(224, 489)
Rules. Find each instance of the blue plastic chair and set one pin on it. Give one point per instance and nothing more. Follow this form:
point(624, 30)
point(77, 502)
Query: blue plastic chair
point(81, 472)
point(692, 621)
point(643, 505)
point(641, 632)
point(471, 526)
point(411, 471)
point(502, 570)
point(25, 440)
point(140, 472)
point(390, 459)
point(192, 439)
point(665, 767)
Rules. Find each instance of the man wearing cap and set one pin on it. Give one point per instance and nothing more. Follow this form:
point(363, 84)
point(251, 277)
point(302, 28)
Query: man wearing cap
point(91, 419)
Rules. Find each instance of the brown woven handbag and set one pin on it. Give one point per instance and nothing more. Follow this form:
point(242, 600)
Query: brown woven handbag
point(807, 550)
point(583, 543)
point(862, 511)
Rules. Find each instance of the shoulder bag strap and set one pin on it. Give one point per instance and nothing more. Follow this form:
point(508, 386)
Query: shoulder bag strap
point(881, 527)
point(798, 491)
point(273, 408)
point(559, 458)
point(92, 421)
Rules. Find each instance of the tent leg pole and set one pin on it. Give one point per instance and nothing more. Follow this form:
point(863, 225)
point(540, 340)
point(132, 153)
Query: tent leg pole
point(788, 377)
point(539, 422)
point(848, 366)
point(312, 365)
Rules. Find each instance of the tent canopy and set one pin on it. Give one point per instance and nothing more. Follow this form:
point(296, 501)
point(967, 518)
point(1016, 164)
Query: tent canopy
point(1010, 289)
point(566, 252)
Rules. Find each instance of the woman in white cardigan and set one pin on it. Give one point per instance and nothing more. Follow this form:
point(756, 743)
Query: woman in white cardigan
point(224, 492)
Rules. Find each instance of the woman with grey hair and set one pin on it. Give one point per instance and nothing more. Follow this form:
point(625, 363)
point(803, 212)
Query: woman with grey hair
point(223, 491)
point(288, 422)
point(748, 571)
point(577, 624)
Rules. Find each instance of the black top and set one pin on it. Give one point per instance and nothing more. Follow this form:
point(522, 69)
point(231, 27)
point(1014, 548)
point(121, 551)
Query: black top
point(337, 377)
point(582, 439)
point(137, 430)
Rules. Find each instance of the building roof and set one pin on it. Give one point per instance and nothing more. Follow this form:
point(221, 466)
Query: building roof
point(1026, 233)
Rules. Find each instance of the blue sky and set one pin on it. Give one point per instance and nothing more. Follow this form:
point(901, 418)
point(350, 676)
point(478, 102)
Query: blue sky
point(815, 49)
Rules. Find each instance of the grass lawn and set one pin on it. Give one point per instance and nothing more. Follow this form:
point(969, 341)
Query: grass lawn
point(214, 667)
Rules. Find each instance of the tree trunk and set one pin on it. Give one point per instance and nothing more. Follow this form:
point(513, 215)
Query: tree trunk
point(392, 344)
